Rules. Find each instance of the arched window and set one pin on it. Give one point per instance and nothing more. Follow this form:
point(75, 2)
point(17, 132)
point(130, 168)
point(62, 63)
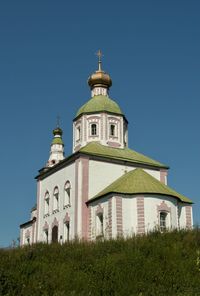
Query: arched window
point(56, 200)
point(99, 222)
point(46, 203)
point(163, 221)
point(67, 194)
point(93, 129)
point(78, 133)
point(112, 130)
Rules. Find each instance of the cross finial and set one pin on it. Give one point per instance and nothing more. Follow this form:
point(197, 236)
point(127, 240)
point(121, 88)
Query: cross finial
point(58, 121)
point(99, 54)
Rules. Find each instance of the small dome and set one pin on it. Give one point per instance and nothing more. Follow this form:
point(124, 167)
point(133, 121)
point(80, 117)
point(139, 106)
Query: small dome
point(99, 78)
point(100, 104)
point(57, 131)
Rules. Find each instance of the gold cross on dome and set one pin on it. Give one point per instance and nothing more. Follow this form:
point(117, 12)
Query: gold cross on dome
point(58, 121)
point(100, 55)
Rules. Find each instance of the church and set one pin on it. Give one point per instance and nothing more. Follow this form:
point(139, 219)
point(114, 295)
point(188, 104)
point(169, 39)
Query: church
point(104, 189)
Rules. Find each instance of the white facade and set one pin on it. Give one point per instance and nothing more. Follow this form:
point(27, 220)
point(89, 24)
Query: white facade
point(67, 207)
point(109, 130)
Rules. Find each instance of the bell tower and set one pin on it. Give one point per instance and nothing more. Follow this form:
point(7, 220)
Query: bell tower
point(57, 148)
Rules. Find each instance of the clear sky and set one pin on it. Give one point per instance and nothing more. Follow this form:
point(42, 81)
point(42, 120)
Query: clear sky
point(47, 51)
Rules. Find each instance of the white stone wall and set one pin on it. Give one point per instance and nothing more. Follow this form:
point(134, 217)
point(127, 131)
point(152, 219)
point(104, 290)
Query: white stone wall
point(57, 179)
point(26, 235)
point(152, 206)
point(129, 210)
point(102, 174)
point(94, 218)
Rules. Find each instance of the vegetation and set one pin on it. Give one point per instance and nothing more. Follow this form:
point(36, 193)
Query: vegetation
point(154, 264)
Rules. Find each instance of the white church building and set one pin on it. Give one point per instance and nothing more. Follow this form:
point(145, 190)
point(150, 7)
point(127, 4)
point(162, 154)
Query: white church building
point(104, 189)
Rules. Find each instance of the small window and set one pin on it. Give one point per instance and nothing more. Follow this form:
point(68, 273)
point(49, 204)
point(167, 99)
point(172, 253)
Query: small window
point(55, 200)
point(67, 194)
point(99, 226)
point(163, 221)
point(112, 130)
point(93, 129)
point(46, 203)
point(78, 133)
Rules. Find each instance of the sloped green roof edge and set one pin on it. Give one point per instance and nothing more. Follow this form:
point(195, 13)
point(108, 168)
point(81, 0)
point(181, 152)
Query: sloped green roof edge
point(125, 154)
point(100, 103)
point(139, 182)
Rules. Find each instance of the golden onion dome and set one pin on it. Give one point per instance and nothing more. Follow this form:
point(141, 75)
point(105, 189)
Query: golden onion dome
point(99, 78)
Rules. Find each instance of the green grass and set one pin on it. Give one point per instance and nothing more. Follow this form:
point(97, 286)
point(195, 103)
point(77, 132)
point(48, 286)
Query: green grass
point(155, 264)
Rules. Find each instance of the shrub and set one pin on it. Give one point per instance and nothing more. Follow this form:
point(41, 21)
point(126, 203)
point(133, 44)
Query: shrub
point(153, 264)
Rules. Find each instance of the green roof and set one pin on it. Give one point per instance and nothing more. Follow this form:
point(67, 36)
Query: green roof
point(100, 104)
point(126, 154)
point(57, 140)
point(139, 182)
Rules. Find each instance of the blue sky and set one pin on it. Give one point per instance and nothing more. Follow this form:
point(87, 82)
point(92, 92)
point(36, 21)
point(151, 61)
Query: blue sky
point(47, 51)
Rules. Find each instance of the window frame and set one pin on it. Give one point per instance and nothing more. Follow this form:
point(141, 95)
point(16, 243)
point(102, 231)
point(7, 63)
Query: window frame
point(94, 127)
point(78, 133)
point(46, 204)
point(112, 130)
point(56, 200)
point(67, 194)
point(163, 216)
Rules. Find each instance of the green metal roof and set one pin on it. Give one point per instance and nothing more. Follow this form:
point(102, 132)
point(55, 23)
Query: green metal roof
point(126, 154)
point(139, 182)
point(57, 140)
point(100, 104)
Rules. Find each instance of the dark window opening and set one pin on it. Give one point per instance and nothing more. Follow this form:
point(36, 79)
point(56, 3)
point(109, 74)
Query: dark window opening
point(112, 130)
point(93, 129)
point(55, 234)
point(163, 219)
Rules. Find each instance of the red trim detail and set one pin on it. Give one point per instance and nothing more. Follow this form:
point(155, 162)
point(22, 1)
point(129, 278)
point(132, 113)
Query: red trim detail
point(110, 218)
point(163, 175)
point(140, 215)
point(66, 219)
point(55, 223)
point(85, 211)
point(119, 221)
point(163, 207)
point(76, 198)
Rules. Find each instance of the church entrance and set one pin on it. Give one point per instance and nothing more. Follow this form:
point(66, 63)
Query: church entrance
point(55, 234)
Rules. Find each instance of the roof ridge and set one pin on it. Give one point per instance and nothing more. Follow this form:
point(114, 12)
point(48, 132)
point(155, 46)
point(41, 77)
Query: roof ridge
point(125, 154)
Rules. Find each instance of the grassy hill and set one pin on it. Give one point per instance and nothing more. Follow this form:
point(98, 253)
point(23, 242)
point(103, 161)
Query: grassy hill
point(155, 264)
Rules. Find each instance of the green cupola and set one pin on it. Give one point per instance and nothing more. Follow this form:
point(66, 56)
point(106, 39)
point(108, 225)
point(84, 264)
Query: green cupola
point(100, 83)
point(57, 147)
point(100, 119)
point(57, 139)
